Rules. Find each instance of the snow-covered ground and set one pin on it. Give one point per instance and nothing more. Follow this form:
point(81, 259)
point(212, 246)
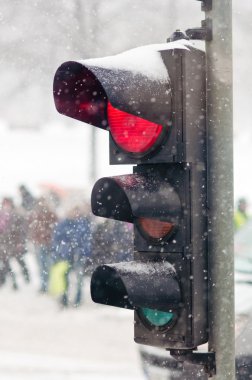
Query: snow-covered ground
point(40, 341)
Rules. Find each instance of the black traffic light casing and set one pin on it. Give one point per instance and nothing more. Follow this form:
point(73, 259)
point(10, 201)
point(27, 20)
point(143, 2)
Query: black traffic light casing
point(166, 194)
point(186, 251)
point(172, 195)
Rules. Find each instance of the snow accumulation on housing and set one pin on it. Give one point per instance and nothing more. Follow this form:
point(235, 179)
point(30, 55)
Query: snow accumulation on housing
point(144, 268)
point(145, 60)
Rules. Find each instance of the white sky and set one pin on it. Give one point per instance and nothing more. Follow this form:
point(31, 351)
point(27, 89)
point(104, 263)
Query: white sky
point(57, 154)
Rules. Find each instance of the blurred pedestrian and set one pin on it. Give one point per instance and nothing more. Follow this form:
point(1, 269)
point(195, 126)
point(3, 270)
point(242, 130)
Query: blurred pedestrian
point(17, 239)
point(71, 243)
point(5, 242)
point(42, 223)
point(241, 215)
point(27, 199)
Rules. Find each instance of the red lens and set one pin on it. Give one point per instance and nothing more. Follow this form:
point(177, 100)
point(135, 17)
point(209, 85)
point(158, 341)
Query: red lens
point(155, 228)
point(132, 133)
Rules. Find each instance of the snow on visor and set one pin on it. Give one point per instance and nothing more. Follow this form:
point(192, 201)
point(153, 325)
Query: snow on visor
point(129, 94)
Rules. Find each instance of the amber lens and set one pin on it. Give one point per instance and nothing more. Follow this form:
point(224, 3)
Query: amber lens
point(155, 228)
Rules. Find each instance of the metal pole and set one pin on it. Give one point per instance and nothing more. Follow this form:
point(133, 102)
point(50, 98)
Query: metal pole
point(93, 166)
point(86, 44)
point(220, 163)
point(94, 44)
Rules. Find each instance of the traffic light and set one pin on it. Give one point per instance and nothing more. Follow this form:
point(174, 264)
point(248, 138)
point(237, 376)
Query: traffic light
point(152, 101)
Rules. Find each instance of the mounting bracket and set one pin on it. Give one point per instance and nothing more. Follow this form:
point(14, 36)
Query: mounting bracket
point(177, 35)
point(205, 359)
point(206, 5)
point(205, 32)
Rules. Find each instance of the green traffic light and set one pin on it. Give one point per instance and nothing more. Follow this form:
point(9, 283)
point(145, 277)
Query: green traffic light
point(157, 318)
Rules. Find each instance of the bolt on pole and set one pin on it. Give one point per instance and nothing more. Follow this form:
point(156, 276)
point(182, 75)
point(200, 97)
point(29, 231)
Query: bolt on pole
point(220, 163)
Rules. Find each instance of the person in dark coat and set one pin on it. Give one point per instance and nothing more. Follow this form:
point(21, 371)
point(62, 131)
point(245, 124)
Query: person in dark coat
point(71, 242)
point(27, 199)
point(42, 223)
point(17, 240)
point(13, 233)
point(5, 242)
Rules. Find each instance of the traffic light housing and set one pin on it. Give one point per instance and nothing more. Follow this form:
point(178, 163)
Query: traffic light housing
point(152, 101)
point(159, 86)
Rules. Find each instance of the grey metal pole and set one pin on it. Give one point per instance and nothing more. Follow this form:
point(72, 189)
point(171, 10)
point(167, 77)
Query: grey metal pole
point(86, 44)
point(93, 163)
point(95, 23)
point(220, 163)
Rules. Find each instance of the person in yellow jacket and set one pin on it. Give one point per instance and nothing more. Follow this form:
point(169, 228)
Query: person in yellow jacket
point(240, 216)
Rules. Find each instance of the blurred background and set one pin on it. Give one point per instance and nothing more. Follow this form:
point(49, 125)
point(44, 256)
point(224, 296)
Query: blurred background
point(50, 155)
point(37, 36)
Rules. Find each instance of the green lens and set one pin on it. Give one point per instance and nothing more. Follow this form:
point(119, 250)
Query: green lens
point(157, 318)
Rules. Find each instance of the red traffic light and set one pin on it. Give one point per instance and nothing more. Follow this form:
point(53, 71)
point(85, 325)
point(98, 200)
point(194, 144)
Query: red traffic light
point(106, 93)
point(132, 133)
point(143, 97)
